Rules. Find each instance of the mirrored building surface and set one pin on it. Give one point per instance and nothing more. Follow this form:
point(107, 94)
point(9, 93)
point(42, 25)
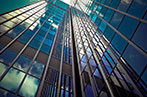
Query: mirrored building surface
point(87, 48)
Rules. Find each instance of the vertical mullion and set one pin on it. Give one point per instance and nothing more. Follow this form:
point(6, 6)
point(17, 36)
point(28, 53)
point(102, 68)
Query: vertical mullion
point(87, 63)
point(61, 60)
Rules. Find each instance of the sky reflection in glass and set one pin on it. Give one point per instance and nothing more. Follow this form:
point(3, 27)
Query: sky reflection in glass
point(8, 81)
point(29, 87)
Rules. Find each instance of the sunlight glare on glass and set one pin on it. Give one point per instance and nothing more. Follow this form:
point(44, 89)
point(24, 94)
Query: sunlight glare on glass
point(66, 1)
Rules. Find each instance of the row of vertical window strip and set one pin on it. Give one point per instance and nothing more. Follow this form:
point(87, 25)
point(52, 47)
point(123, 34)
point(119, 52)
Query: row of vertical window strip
point(67, 44)
point(82, 59)
point(131, 28)
point(51, 82)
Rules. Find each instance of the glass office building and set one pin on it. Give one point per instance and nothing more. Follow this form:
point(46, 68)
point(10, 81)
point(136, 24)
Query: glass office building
point(89, 48)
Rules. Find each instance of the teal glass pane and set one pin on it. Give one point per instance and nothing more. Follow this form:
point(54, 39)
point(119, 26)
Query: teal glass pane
point(94, 18)
point(140, 36)
point(24, 38)
point(97, 21)
point(114, 3)
point(52, 32)
point(48, 42)
point(98, 9)
point(23, 63)
point(108, 33)
point(103, 1)
point(41, 32)
point(2, 68)
point(12, 33)
point(135, 59)
point(108, 15)
point(34, 43)
point(102, 26)
point(45, 48)
point(44, 29)
point(39, 37)
point(19, 28)
point(109, 59)
point(138, 8)
point(49, 36)
point(116, 19)
point(5, 58)
point(119, 43)
point(29, 87)
point(123, 6)
point(102, 13)
point(144, 76)
point(37, 69)
point(128, 26)
point(8, 81)
point(107, 2)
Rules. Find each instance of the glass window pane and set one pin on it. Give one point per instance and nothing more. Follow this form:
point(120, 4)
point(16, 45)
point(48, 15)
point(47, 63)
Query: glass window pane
point(34, 43)
point(45, 48)
point(119, 43)
point(2, 68)
point(23, 63)
point(29, 87)
point(124, 4)
point(37, 69)
point(136, 60)
point(108, 15)
point(116, 19)
point(128, 26)
point(114, 3)
point(7, 59)
point(140, 36)
point(8, 81)
point(138, 8)
point(144, 76)
point(102, 26)
point(108, 33)
point(88, 91)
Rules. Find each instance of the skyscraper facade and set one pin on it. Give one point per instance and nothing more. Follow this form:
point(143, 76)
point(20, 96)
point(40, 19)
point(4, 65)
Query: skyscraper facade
point(90, 48)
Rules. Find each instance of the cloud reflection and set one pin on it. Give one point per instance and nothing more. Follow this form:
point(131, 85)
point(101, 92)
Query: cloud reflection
point(13, 79)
